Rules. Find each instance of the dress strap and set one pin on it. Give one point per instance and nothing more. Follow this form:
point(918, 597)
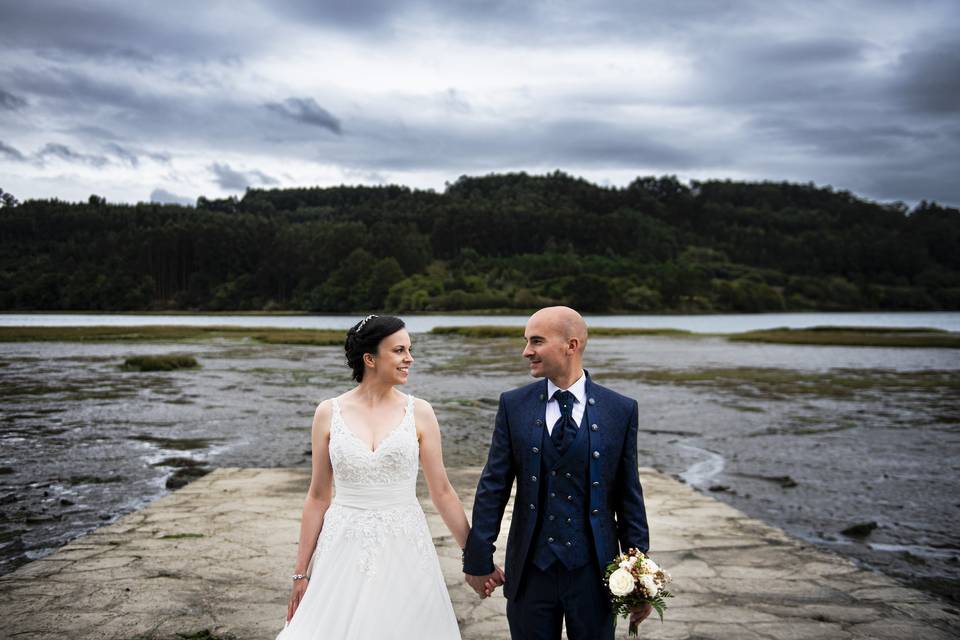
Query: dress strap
point(408, 417)
point(336, 418)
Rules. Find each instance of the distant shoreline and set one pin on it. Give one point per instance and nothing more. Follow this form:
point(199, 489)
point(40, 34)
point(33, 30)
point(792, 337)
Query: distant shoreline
point(907, 337)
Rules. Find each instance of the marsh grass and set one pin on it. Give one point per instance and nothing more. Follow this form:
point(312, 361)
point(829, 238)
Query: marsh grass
point(315, 337)
point(916, 337)
point(159, 363)
point(495, 331)
point(781, 384)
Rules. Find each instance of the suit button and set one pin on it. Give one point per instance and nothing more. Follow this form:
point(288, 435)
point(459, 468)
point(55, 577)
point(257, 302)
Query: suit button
point(594, 512)
point(596, 454)
point(594, 427)
point(536, 450)
point(533, 507)
point(566, 475)
point(533, 478)
point(553, 495)
point(596, 484)
point(549, 539)
point(569, 498)
point(591, 401)
point(568, 520)
point(553, 473)
point(539, 422)
point(569, 544)
point(551, 517)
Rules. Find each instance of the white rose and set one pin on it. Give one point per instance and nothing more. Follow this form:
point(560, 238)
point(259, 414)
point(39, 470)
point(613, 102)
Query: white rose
point(649, 585)
point(648, 566)
point(621, 582)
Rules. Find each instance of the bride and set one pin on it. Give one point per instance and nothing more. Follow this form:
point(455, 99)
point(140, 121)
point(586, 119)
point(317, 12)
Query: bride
point(366, 566)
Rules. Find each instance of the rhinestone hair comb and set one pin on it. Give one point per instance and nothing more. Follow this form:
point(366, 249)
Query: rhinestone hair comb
point(364, 321)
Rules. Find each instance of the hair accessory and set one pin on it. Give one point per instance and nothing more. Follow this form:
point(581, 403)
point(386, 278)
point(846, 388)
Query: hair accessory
point(364, 321)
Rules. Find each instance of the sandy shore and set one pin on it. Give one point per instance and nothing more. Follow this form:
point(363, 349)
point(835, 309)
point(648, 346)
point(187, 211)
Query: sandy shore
point(217, 553)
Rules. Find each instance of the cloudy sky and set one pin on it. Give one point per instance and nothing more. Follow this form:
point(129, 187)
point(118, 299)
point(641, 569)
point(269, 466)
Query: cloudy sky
point(168, 101)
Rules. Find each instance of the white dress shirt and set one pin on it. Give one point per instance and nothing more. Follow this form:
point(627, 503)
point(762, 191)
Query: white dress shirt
point(579, 391)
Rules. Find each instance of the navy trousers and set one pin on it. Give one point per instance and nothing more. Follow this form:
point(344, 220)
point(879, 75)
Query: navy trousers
point(547, 598)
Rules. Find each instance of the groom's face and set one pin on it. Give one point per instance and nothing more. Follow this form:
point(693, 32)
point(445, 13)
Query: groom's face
point(547, 349)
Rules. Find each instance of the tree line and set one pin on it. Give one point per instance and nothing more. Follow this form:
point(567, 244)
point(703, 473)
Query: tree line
point(498, 242)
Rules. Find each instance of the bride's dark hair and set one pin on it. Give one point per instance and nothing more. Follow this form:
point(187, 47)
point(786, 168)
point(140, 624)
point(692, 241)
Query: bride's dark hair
point(365, 336)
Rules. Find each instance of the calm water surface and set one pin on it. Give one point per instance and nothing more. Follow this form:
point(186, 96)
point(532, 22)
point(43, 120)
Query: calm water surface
point(812, 439)
point(718, 323)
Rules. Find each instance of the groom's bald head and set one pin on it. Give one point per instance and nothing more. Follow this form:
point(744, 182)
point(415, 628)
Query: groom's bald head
point(564, 321)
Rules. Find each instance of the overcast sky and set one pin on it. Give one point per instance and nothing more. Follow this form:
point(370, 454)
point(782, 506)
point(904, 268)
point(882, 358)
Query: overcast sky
point(168, 101)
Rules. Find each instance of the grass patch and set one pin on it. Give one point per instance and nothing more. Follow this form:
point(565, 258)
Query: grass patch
point(159, 363)
point(780, 384)
point(205, 635)
point(918, 337)
point(167, 333)
point(496, 331)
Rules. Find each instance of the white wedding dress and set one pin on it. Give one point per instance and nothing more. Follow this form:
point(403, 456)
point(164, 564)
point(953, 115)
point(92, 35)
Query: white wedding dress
point(375, 572)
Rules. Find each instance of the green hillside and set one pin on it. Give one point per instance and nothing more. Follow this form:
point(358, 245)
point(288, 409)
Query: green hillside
point(498, 242)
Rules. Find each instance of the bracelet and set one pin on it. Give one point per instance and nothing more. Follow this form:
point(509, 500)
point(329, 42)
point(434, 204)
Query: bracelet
point(299, 576)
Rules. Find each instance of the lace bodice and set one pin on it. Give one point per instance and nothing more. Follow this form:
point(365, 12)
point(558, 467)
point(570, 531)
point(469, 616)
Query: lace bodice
point(395, 460)
point(375, 492)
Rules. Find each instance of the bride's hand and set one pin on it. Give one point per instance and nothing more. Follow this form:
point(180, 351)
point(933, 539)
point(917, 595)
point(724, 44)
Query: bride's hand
point(299, 587)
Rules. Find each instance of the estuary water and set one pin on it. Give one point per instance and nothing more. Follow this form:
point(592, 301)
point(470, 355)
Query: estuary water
point(813, 439)
point(711, 323)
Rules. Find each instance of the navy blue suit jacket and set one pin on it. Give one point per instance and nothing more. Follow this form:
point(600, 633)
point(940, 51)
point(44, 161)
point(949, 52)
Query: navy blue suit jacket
point(617, 516)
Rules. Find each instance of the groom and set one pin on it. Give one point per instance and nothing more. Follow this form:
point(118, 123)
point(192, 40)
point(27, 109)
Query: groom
point(571, 445)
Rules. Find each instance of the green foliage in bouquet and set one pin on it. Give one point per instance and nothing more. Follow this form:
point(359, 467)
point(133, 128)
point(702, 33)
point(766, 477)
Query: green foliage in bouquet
point(628, 585)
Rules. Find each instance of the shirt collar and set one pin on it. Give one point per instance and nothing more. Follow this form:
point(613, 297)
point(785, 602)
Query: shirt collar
point(578, 388)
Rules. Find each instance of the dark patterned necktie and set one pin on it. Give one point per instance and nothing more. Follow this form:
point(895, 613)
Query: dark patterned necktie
point(565, 429)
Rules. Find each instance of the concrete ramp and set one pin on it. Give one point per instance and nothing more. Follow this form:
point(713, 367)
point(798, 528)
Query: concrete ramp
point(217, 555)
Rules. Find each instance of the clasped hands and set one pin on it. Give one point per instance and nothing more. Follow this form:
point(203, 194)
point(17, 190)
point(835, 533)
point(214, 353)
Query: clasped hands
point(486, 585)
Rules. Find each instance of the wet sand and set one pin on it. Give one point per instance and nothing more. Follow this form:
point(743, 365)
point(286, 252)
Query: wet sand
point(810, 439)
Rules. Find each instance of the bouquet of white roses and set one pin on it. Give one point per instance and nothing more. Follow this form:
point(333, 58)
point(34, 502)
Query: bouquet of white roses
point(635, 580)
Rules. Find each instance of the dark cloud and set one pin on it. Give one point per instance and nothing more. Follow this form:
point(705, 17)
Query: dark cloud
point(604, 144)
point(928, 78)
point(11, 153)
point(163, 196)
point(93, 132)
point(135, 33)
point(10, 102)
point(351, 14)
point(532, 145)
point(123, 154)
point(307, 111)
point(846, 137)
point(63, 152)
point(78, 91)
point(230, 179)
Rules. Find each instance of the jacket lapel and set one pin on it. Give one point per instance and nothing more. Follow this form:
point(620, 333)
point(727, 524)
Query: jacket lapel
point(533, 425)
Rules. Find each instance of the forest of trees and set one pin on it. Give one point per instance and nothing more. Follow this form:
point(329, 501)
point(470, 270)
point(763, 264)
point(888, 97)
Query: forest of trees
point(499, 242)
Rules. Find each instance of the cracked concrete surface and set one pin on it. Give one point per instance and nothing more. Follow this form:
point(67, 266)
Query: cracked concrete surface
point(217, 555)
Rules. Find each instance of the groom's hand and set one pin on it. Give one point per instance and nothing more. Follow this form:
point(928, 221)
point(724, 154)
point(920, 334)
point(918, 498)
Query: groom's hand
point(640, 614)
point(485, 585)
